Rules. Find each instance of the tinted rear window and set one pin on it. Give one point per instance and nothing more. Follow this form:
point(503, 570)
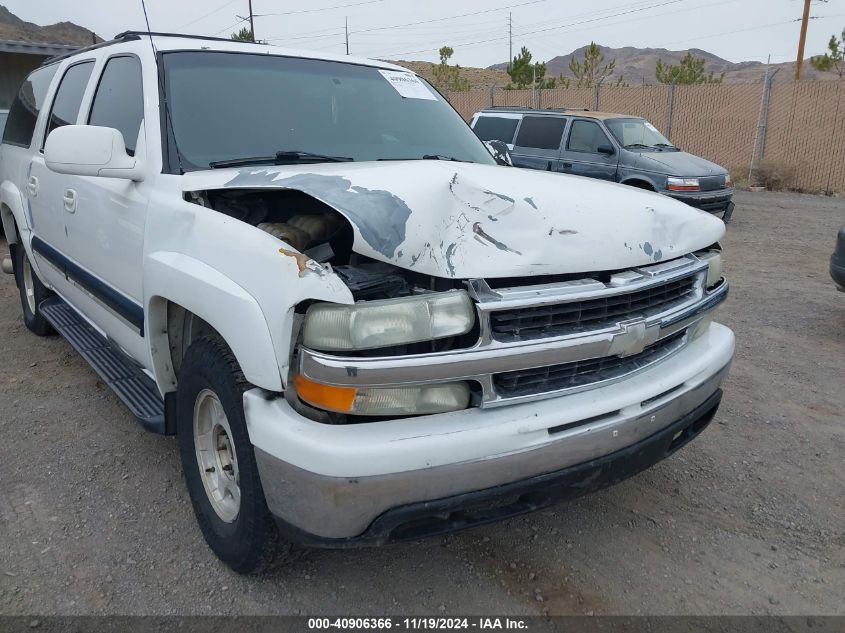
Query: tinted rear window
point(495, 128)
point(541, 132)
point(26, 106)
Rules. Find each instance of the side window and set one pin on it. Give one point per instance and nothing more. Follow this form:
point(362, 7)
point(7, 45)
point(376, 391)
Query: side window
point(26, 107)
point(495, 128)
point(69, 96)
point(541, 132)
point(119, 100)
point(586, 136)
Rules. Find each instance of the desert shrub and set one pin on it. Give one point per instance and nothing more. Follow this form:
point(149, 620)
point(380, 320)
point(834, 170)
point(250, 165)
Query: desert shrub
point(775, 176)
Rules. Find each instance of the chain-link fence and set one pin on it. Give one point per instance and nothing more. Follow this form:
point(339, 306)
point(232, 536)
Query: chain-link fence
point(796, 129)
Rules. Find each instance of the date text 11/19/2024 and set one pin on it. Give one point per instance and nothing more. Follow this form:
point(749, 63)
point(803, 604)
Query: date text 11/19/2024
point(417, 623)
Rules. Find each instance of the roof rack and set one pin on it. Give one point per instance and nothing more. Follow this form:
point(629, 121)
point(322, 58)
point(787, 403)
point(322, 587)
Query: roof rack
point(117, 39)
point(129, 36)
point(136, 34)
point(529, 109)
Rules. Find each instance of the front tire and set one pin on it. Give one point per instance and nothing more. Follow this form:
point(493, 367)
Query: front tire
point(218, 459)
point(32, 292)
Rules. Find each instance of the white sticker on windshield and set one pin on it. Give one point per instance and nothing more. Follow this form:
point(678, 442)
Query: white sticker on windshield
point(650, 126)
point(408, 85)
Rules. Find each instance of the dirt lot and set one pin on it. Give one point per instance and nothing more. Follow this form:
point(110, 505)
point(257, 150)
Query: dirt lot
point(749, 518)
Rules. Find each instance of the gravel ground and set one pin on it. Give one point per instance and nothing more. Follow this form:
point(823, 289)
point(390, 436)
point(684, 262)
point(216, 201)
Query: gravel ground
point(749, 518)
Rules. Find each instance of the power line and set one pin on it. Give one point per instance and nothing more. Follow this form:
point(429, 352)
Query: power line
point(709, 5)
point(305, 34)
point(451, 17)
point(751, 28)
point(202, 17)
point(339, 6)
point(465, 30)
point(555, 28)
point(231, 27)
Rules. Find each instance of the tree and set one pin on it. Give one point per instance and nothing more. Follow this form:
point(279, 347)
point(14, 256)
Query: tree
point(689, 71)
point(523, 73)
point(834, 59)
point(592, 70)
point(446, 77)
point(244, 35)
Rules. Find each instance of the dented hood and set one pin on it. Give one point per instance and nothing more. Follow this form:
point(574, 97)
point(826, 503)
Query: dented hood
point(463, 220)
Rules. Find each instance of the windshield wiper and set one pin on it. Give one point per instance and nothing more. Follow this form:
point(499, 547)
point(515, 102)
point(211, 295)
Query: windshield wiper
point(283, 157)
point(629, 145)
point(442, 157)
point(665, 145)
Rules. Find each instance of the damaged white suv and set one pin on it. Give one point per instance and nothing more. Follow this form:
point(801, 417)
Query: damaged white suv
point(359, 326)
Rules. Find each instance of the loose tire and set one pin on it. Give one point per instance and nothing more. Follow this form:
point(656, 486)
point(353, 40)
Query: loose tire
point(32, 292)
point(218, 459)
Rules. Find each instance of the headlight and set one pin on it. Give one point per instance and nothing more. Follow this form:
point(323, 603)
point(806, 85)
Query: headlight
point(714, 266)
point(407, 400)
point(728, 181)
point(384, 323)
point(683, 184)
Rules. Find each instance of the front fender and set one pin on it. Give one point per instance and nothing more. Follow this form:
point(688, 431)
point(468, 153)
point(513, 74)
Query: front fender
point(220, 302)
point(12, 212)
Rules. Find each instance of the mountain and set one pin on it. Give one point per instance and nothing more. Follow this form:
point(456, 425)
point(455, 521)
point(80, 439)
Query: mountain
point(13, 28)
point(636, 65)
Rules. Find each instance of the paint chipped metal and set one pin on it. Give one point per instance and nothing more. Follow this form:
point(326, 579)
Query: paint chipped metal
point(440, 218)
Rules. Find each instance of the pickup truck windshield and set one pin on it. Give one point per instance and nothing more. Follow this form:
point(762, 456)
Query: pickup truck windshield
point(638, 134)
point(242, 106)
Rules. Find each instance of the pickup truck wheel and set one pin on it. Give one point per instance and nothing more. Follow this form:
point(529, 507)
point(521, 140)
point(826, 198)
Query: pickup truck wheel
point(32, 292)
point(218, 459)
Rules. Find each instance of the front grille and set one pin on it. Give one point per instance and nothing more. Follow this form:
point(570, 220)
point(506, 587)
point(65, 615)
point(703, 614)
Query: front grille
point(589, 314)
point(524, 382)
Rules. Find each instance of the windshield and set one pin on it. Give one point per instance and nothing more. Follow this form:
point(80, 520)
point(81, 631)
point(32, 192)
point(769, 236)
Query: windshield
point(637, 134)
point(230, 106)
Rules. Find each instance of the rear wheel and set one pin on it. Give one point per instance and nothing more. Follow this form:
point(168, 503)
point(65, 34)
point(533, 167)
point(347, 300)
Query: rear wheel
point(218, 459)
point(32, 292)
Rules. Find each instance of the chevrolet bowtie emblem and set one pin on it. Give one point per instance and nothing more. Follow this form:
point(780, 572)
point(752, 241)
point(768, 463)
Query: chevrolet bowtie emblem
point(635, 337)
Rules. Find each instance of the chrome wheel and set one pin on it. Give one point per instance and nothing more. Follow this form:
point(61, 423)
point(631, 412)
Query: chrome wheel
point(28, 284)
point(216, 456)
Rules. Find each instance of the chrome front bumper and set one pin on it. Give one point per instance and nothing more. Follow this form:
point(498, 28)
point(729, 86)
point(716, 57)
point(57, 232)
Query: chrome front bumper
point(489, 357)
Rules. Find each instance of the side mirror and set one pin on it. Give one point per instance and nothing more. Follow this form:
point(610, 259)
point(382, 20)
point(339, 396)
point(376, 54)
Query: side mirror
point(89, 150)
point(499, 150)
point(607, 150)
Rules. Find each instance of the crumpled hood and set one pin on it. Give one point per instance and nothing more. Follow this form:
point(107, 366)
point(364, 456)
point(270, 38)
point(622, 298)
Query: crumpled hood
point(462, 220)
point(679, 164)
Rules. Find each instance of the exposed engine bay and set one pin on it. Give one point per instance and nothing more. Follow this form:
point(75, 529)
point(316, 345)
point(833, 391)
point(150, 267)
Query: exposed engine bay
point(321, 234)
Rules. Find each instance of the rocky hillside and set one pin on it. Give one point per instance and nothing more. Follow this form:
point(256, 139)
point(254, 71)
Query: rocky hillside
point(13, 28)
point(637, 65)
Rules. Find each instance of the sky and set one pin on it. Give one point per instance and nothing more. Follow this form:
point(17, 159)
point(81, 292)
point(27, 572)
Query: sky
point(737, 30)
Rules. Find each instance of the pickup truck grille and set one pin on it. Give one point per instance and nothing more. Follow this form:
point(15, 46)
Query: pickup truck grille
point(514, 384)
point(544, 340)
point(589, 314)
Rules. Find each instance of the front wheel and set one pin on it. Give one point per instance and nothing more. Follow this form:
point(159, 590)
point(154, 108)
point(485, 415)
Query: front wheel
point(32, 292)
point(218, 459)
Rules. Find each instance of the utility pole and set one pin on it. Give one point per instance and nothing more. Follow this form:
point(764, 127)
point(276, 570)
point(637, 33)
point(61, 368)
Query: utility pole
point(510, 39)
point(802, 40)
point(251, 22)
point(347, 34)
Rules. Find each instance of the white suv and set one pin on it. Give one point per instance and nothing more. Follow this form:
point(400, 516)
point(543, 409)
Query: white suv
point(360, 328)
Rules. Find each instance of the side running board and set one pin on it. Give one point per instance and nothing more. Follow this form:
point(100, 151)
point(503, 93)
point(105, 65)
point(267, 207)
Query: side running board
point(137, 391)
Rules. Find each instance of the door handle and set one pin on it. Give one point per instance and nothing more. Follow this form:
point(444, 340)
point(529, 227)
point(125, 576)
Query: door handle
point(567, 165)
point(32, 186)
point(70, 200)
